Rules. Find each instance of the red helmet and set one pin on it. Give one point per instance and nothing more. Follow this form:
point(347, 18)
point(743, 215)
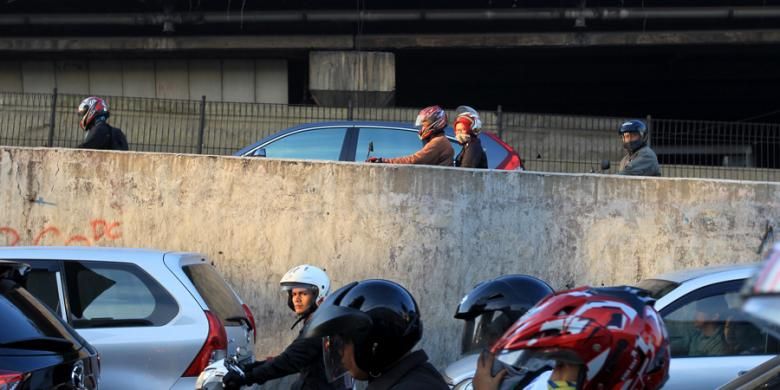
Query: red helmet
point(469, 117)
point(91, 108)
point(437, 121)
point(614, 333)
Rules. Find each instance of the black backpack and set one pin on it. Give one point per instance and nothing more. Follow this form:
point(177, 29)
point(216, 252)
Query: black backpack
point(118, 139)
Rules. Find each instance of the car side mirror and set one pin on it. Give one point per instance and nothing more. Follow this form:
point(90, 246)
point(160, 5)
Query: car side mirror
point(259, 152)
point(605, 165)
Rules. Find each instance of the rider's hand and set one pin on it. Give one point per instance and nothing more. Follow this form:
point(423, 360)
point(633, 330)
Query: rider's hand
point(377, 160)
point(233, 381)
point(484, 379)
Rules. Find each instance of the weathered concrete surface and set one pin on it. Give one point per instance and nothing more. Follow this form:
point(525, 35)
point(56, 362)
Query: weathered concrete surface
point(435, 230)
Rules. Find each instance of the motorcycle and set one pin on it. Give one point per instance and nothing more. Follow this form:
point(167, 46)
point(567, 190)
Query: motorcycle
point(211, 377)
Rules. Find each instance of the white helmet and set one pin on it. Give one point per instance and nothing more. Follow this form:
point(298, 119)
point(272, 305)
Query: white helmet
point(307, 276)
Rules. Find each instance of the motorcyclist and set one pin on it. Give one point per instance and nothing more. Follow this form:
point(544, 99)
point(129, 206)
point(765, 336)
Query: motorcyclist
point(369, 329)
point(436, 149)
point(306, 287)
point(487, 312)
point(94, 113)
point(467, 128)
point(595, 338)
point(639, 160)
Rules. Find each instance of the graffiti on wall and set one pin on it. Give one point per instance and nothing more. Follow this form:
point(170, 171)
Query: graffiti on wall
point(97, 230)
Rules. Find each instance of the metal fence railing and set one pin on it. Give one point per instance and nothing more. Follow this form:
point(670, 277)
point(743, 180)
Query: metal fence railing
point(546, 142)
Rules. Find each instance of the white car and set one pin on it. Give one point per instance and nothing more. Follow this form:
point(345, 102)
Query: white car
point(156, 318)
point(684, 299)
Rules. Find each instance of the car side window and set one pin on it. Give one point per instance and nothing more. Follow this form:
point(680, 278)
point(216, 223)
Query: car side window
point(709, 322)
point(42, 283)
point(314, 144)
point(102, 294)
point(387, 142)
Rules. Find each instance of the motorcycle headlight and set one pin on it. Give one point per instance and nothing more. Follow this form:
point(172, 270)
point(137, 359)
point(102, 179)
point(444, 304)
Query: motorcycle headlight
point(209, 379)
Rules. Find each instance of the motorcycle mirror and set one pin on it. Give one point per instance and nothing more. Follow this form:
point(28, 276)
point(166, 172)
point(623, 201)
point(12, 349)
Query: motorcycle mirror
point(370, 149)
point(605, 165)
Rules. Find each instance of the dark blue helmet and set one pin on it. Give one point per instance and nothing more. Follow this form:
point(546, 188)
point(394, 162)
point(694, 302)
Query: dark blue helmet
point(633, 126)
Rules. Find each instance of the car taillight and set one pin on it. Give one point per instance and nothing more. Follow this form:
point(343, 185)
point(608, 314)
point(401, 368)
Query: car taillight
point(10, 379)
point(251, 320)
point(513, 163)
point(214, 349)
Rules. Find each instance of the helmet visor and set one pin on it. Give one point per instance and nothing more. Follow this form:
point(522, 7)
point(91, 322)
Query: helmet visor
point(289, 286)
point(419, 121)
point(521, 366)
point(482, 331)
point(333, 357)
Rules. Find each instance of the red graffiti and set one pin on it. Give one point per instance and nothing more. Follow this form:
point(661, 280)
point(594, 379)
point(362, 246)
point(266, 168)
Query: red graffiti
point(12, 237)
point(100, 230)
point(77, 238)
point(50, 229)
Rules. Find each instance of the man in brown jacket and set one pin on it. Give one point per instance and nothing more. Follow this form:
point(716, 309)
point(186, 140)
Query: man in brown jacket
point(436, 150)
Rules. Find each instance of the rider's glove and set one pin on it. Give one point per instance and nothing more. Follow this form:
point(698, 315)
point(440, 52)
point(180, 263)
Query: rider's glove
point(375, 160)
point(233, 381)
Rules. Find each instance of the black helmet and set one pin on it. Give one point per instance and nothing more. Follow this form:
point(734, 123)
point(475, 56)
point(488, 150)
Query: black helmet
point(633, 126)
point(379, 317)
point(494, 305)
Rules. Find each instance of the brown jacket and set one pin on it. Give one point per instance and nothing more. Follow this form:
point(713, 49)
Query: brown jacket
point(438, 151)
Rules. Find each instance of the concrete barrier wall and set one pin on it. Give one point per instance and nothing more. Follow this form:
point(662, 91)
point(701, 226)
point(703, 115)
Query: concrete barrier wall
point(438, 231)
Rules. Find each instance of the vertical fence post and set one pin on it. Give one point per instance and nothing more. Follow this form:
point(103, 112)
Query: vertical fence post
point(649, 120)
point(500, 123)
point(202, 123)
point(349, 110)
point(50, 140)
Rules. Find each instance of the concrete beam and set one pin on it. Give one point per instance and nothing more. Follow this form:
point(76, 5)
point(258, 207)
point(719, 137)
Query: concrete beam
point(386, 42)
point(577, 39)
point(158, 44)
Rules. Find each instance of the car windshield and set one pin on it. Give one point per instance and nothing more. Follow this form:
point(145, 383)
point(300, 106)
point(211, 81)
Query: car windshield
point(657, 287)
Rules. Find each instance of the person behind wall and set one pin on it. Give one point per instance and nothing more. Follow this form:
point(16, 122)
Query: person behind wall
point(639, 160)
point(436, 149)
point(94, 115)
point(306, 287)
point(467, 127)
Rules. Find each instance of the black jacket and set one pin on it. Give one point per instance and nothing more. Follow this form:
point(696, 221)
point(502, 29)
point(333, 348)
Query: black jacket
point(472, 155)
point(302, 356)
point(413, 372)
point(103, 136)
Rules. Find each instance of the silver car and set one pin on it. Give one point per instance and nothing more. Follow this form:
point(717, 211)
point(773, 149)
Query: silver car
point(691, 302)
point(156, 318)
